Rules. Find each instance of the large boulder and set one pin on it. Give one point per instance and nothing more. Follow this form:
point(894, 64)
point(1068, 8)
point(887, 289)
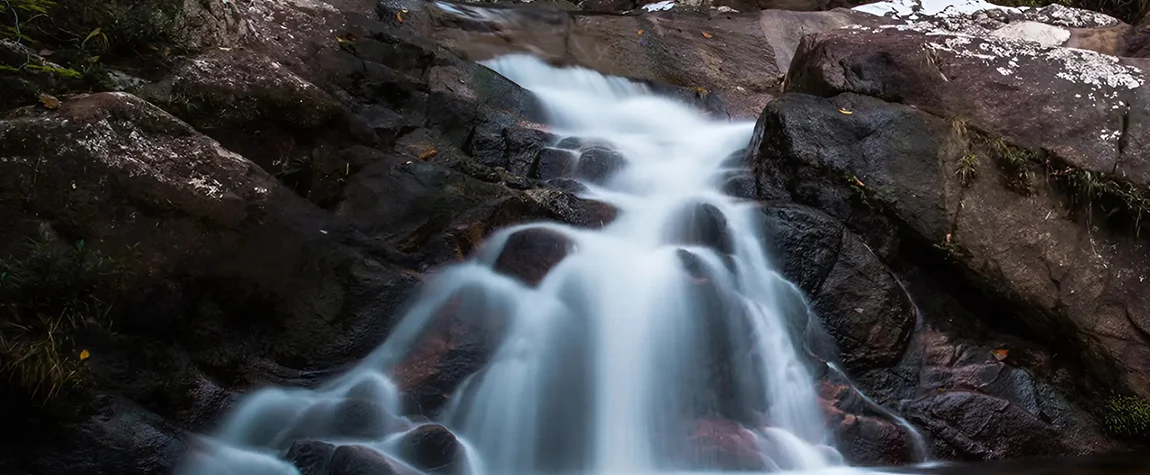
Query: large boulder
point(858, 300)
point(960, 173)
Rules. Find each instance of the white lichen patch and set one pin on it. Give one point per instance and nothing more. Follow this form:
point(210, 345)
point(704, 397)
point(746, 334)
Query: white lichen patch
point(208, 185)
point(931, 8)
point(1040, 33)
point(1061, 15)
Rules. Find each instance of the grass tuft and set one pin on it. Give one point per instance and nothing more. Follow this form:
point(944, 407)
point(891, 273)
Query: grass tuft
point(50, 289)
point(1127, 416)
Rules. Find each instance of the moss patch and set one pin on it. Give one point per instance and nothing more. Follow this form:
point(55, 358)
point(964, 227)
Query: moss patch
point(1127, 416)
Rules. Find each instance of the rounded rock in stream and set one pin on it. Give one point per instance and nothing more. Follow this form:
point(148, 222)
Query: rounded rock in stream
point(431, 448)
point(529, 254)
point(359, 460)
point(599, 164)
point(702, 224)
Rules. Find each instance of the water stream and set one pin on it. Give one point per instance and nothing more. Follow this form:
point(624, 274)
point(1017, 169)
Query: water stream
point(668, 319)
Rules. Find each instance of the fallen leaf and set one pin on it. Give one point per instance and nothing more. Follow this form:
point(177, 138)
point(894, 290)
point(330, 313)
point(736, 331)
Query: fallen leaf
point(345, 38)
point(857, 181)
point(84, 355)
point(847, 112)
point(706, 35)
point(1000, 354)
point(399, 17)
point(640, 32)
point(858, 310)
point(49, 101)
point(225, 49)
point(948, 238)
point(431, 152)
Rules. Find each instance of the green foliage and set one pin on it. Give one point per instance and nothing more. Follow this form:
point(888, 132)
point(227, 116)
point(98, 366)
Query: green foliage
point(967, 169)
point(1127, 416)
point(1117, 199)
point(1014, 162)
point(17, 14)
point(49, 290)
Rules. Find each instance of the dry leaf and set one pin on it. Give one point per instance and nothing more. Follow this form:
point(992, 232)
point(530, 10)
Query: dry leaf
point(84, 355)
point(431, 152)
point(399, 17)
point(49, 101)
point(858, 310)
point(948, 238)
point(1000, 354)
point(640, 32)
point(706, 35)
point(847, 112)
point(857, 181)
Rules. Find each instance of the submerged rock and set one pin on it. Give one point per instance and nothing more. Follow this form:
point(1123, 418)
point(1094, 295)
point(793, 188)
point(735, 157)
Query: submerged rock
point(432, 448)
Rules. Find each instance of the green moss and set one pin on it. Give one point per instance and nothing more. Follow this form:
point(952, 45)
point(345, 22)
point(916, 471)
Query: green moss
point(50, 290)
point(1127, 416)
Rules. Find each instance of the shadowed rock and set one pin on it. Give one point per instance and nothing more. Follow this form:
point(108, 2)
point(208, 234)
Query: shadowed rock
point(530, 253)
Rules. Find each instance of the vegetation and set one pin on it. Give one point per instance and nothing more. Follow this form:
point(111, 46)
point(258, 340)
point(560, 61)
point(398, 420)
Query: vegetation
point(1127, 416)
point(1118, 200)
point(49, 290)
point(967, 169)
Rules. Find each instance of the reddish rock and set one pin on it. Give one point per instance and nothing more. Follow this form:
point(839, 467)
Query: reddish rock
point(724, 444)
point(530, 253)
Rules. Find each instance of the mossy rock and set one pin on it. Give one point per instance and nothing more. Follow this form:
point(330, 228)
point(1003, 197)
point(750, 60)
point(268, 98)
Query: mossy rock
point(157, 25)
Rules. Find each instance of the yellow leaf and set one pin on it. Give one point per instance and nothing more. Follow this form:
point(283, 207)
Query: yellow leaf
point(431, 152)
point(847, 112)
point(640, 32)
point(399, 17)
point(84, 355)
point(857, 181)
point(49, 101)
point(1000, 354)
point(706, 35)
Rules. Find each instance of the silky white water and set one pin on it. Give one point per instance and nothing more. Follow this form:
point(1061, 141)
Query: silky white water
point(666, 320)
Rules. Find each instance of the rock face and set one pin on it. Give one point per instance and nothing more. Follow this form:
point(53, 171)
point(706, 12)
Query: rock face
point(1017, 237)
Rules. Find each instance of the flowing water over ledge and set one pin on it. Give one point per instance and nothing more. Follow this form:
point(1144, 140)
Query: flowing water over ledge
point(670, 314)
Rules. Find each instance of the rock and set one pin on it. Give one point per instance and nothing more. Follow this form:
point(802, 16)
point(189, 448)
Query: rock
point(874, 442)
point(188, 25)
point(431, 448)
point(462, 337)
point(1072, 87)
point(359, 460)
point(530, 253)
point(554, 164)
point(574, 210)
point(598, 165)
point(311, 457)
point(235, 95)
point(725, 445)
point(975, 426)
point(701, 224)
point(120, 437)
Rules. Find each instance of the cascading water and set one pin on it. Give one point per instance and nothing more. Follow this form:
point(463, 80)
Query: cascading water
point(667, 320)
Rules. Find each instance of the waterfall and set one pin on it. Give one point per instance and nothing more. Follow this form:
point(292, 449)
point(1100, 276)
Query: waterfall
point(666, 325)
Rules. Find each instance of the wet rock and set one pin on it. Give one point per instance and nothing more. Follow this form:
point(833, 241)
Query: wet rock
point(574, 210)
point(874, 442)
point(529, 254)
point(359, 460)
point(431, 448)
point(311, 457)
point(975, 426)
point(186, 25)
point(461, 338)
point(702, 224)
point(597, 164)
point(555, 163)
point(723, 444)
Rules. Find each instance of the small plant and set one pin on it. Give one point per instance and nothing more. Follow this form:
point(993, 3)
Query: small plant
point(1014, 162)
point(50, 289)
point(1118, 199)
point(1127, 416)
point(967, 169)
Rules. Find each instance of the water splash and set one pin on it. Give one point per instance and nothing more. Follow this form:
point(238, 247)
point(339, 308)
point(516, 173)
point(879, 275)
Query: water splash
point(663, 332)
